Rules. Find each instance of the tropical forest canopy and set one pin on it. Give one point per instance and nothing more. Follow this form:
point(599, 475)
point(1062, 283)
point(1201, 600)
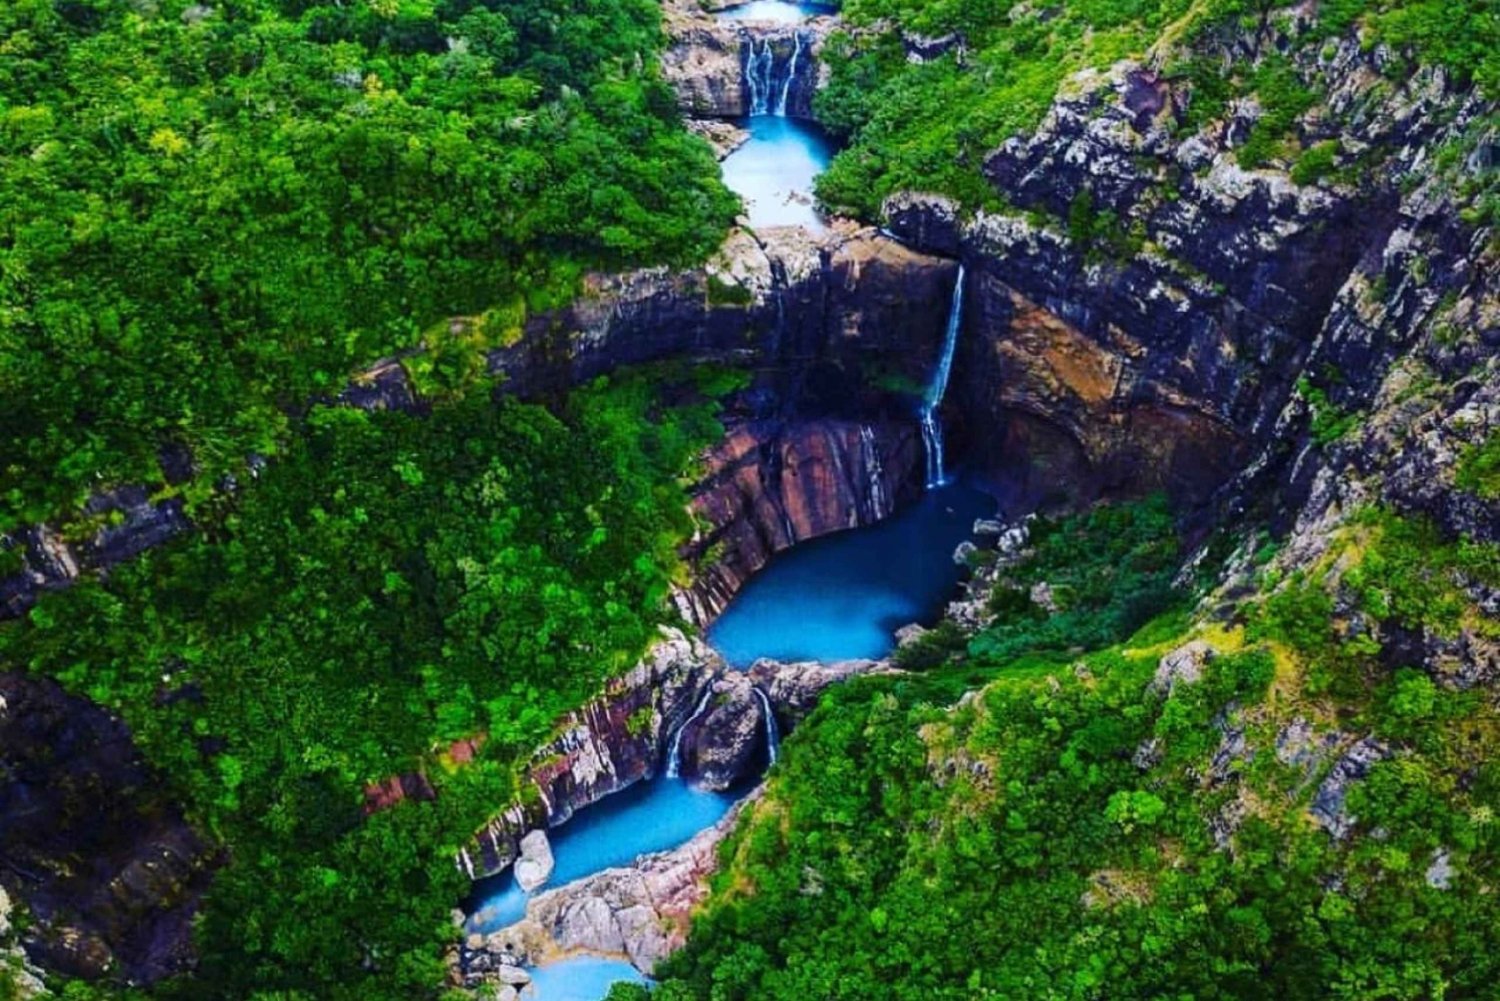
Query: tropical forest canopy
point(210, 214)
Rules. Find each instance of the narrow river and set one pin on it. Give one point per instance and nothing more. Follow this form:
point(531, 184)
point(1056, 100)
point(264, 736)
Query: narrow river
point(835, 598)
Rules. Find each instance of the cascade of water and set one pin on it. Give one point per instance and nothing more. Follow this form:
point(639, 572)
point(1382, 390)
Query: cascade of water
point(874, 472)
point(760, 66)
point(674, 753)
point(932, 426)
point(791, 74)
point(773, 734)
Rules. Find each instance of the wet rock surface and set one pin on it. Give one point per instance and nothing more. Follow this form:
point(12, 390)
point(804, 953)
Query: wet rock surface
point(638, 912)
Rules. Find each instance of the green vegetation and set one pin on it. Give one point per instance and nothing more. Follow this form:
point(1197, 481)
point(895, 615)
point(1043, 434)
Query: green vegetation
point(1070, 833)
point(1329, 422)
point(209, 214)
point(928, 125)
point(1479, 468)
point(391, 584)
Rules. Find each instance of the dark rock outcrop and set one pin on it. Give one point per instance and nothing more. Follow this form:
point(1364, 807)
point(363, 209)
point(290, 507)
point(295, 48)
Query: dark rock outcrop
point(1153, 333)
point(794, 688)
point(608, 745)
point(773, 483)
point(722, 746)
point(105, 863)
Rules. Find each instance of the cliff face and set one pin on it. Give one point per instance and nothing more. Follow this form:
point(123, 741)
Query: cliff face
point(772, 483)
point(730, 69)
point(609, 744)
point(1150, 334)
point(106, 865)
point(820, 308)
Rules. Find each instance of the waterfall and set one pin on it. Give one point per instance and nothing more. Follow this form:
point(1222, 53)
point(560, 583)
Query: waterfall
point(760, 69)
point(674, 754)
point(874, 472)
point(773, 735)
point(932, 425)
point(791, 74)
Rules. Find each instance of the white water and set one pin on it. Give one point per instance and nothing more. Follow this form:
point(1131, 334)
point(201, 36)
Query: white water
point(874, 472)
point(760, 67)
point(932, 423)
point(773, 733)
point(791, 74)
point(674, 755)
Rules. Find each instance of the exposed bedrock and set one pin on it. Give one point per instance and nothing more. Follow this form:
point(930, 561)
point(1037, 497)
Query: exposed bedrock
point(795, 687)
point(638, 912)
point(108, 869)
point(723, 69)
point(830, 311)
point(1145, 325)
point(773, 483)
point(724, 745)
point(612, 742)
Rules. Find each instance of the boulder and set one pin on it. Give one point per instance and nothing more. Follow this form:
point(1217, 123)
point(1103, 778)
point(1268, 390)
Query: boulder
point(722, 746)
point(535, 865)
point(1183, 666)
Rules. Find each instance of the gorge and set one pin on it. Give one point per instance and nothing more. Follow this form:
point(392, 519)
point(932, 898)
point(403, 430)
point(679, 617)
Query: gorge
point(1035, 534)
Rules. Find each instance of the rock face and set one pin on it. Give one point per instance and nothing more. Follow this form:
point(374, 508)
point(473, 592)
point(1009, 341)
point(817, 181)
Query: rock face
point(639, 912)
point(536, 863)
point(611, 743)
point(794, 688)
point(104, 862)
point(825, 309)
point(773, 483)
point(1153, 334)
point(730, 69)
point(722, 746)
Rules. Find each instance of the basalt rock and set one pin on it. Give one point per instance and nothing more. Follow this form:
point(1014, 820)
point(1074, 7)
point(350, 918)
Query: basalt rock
point(611, 743)
point(639, 912)
point(717, 67)
point(108, 869)
point(794, 688)
point(772, 483)
point(1145, 325)
point(722, 746)
point(829, 311)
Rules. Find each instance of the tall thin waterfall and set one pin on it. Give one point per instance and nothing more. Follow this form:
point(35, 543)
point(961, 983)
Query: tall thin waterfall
point(932, 424)
point(874, 472)
point(791, 74)
point(771, 86)
point(674, 753)
point(773, 733)
point(760, 72)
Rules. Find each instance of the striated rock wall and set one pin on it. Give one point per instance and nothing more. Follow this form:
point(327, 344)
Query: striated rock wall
point(710, 62)
point(772, 483)
point(1147, 321)
point(612, 742)
point(107, 867)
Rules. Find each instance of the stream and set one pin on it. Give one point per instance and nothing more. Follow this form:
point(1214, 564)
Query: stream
point(839, 597)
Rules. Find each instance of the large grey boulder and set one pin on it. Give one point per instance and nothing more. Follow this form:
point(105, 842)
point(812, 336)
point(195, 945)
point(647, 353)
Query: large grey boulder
point(535, 865)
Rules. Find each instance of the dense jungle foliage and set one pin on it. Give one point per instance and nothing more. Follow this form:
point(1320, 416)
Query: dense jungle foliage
point(390, 585)
point(209, 214)
point(1073, 830)
point(928, 125)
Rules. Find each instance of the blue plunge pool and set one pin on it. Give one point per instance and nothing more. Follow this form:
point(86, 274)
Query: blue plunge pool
point(844, 596)
point(580, 978)
point(648, 817)
point(774, 171)
point(776, 11)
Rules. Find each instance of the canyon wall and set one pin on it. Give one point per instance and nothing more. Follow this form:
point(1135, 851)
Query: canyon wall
point(108, 869)
point(1147, 319)
point(720, 69)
